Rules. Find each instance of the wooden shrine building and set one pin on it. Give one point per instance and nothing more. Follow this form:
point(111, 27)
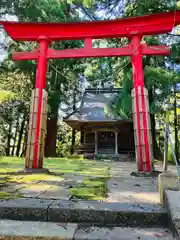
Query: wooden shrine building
point(101, 134)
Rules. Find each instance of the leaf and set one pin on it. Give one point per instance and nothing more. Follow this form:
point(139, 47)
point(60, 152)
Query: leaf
point(178, 5)
point(6, 95)
point(87, 3)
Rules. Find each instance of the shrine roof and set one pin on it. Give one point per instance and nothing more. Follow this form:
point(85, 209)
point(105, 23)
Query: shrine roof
point(94, 106)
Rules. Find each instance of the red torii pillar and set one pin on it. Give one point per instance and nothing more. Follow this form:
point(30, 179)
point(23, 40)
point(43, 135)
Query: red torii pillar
point(134, 29)
point(140, 110)
point(37, 123)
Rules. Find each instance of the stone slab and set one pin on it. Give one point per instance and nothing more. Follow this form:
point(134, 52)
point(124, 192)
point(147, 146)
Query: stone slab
point(133, 190)
point(24, 209)
point(100, 212)
point(118, 233)
point(172, 204)
point(33, 230)
point(70, 184)
point(11, 187)
point(83, 211)
point(34, 170)
point(56, 192)
point(34, 190)
point(173, 199)
point(52, 182)
point(167, 181)
point(134, 197)
point(74, 177)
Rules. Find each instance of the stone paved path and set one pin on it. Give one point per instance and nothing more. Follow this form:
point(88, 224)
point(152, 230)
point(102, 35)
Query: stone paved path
point(134, 193)
point(122, 186)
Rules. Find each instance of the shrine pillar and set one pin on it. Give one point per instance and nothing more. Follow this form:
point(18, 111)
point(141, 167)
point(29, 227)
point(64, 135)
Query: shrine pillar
point(37, 120)
point(140, 110)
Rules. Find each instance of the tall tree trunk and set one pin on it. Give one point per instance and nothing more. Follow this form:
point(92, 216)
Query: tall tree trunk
point(73, 141)
point(175, 125)
point(20, 135)
point(156, 150)
point(50, 142)
point(82, 137)
point(9, 139)
point(23, 152)
point(73, 130)
point(15, 136)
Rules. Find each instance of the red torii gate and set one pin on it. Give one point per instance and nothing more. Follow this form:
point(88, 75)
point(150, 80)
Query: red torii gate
point(132, 28)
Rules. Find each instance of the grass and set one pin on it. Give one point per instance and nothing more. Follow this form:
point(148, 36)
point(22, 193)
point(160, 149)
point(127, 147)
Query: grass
point(92, 188)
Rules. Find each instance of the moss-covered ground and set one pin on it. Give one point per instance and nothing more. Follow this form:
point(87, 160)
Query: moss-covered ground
point(92, 187)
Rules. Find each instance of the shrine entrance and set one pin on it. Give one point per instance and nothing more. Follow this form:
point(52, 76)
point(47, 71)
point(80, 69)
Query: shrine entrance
point(106, 143)
point(132, 28)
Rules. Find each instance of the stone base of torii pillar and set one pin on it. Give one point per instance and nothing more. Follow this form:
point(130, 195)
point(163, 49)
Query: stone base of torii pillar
point(142, 129)
point(35, 150)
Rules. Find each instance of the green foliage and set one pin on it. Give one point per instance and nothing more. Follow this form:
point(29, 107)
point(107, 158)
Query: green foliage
point(155, 78)
point(64, 138)
point(19, 77)
point(170, 155)
point(86, 3)
point(178, 5)
point(63, 144)
point(6, 96)
point(139, 7)
point(124, 102)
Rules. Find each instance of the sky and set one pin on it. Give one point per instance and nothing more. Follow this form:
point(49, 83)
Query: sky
point(3, 37)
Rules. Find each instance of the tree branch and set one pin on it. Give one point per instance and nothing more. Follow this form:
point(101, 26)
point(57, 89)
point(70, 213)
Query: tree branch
point(172, 34)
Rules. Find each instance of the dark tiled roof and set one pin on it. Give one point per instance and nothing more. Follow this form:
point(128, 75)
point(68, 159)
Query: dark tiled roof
point(93, 105)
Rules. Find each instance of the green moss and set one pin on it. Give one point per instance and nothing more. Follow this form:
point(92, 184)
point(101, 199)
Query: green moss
point(34, 177)
point(6, 195)
point(96, 182)
point(2, 181)
point(77, 157)
point(91, 189)
point(88, 193)
point(19, 195)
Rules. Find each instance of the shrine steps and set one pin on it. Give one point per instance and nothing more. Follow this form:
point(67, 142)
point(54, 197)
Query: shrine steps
point(24, 230)
point(122, 214)
point(120, 157)
point(81, 220)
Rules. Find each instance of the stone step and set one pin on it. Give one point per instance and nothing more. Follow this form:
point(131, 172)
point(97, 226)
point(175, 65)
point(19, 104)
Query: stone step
point(119, 233)
point(21, 230)
point(123, 214)
point(172, 204)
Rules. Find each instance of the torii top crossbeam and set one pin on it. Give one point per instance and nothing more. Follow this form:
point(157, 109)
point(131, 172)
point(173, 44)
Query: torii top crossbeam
point(126, 27)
